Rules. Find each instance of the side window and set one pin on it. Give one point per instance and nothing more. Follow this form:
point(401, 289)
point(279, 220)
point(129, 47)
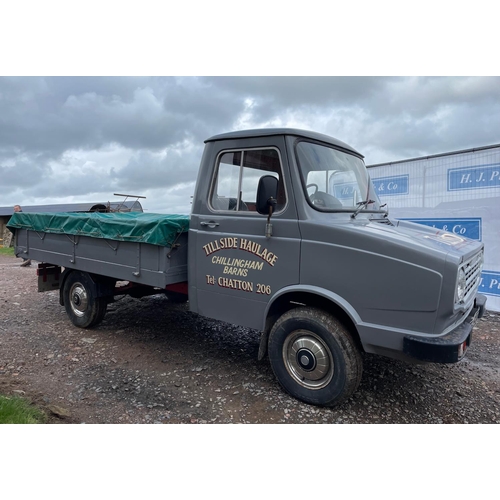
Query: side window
point(237, 179)
point(225, 195)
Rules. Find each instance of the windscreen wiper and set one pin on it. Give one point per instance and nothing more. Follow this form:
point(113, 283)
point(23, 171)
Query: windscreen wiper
point(361, 205)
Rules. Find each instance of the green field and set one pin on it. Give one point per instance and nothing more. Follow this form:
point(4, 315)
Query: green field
point(15, 410)
point(7, 251)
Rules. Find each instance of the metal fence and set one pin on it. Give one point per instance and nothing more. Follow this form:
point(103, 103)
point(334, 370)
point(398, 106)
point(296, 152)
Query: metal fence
point(458, 192)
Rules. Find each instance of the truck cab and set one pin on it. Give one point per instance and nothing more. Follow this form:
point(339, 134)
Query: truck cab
point(325, 273)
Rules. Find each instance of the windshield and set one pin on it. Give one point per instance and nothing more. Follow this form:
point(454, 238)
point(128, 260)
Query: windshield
point(335, 181)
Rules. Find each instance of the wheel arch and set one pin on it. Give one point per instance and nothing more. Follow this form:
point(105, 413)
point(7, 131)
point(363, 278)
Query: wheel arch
point(299, 296)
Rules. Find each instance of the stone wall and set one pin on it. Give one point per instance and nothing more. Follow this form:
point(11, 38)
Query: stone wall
point(7, 237)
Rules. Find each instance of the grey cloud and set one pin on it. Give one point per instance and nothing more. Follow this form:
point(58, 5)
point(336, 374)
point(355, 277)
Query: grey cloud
point(387, 119)
point(176, 200)
point(79, 183)
point(53, 115)
point(463, 126)
point(24, 173)
point(145, 169)
point(303, 90)
point(421, 96)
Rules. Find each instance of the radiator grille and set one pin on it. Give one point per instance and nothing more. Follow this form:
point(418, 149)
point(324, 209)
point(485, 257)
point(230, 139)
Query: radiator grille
point(472, 269)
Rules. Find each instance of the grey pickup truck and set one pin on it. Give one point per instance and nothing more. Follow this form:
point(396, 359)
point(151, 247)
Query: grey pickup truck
point(286, 236)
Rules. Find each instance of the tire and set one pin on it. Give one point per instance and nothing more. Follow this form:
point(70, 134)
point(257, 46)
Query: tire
point(82, 306)
point(314, 357)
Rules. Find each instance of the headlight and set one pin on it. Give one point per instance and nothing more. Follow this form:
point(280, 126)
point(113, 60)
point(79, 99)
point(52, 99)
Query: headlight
point(461, 284)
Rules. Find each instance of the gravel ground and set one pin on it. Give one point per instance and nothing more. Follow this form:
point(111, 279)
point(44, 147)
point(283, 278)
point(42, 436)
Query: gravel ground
point(151, 361)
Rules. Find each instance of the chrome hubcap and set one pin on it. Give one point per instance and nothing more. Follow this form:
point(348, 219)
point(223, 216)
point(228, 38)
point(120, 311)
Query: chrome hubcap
point(79, 299)
point(308, 359)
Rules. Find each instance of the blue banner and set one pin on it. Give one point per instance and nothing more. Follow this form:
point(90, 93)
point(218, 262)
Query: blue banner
point(470, 227)
point(483, 176)
point(390, 186)
point(490, 283)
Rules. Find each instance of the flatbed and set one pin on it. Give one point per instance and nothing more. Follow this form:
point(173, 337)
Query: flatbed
point(148, 249)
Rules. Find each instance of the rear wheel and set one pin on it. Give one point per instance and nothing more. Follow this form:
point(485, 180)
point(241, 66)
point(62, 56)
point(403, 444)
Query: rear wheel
point(314, 357)
point(82, 306)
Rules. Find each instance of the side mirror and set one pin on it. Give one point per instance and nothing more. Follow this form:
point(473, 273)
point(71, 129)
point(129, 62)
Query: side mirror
point(267, 192)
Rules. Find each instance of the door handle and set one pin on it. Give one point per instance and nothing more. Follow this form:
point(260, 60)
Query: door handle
point(210, 224)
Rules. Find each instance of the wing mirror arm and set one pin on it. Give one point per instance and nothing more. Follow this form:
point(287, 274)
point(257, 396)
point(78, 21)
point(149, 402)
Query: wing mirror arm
point(267, 192)
point(272, 206)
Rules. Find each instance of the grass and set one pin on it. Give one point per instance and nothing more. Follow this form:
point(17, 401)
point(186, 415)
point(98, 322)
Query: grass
point(7, 251)
point(15, 410)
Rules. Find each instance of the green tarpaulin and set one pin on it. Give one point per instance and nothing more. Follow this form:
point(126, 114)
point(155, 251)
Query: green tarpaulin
point(157, 229)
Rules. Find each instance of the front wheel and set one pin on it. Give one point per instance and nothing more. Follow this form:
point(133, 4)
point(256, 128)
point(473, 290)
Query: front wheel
point(82, 306)
point(314, 357)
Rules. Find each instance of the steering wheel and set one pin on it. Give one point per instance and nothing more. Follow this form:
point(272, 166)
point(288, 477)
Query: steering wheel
point(312, 185)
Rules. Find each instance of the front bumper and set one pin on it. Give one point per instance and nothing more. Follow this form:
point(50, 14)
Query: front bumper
point(451, 347)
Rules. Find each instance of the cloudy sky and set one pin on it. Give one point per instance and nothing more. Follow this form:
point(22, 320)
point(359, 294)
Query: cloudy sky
point(65, 139)
point(82, 138)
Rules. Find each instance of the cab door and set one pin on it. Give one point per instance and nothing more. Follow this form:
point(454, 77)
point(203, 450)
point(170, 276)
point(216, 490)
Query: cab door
point(237, 269)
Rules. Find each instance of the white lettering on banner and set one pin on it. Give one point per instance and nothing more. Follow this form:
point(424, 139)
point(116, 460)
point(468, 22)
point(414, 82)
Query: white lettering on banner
point(470, 227)
point(458, 229)
point(478, 177)
point(393, 185)
point(490, 283)
point(467, 178)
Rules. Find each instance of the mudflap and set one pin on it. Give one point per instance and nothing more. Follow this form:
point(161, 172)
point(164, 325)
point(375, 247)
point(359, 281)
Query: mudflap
point(49, 277)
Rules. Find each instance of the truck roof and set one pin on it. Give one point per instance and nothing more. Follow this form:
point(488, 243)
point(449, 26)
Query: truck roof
point(260, 132)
